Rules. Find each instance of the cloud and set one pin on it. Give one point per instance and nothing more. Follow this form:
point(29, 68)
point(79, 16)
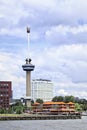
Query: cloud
point(70, 61)
point(71, 88)
point(62, 92)
point(67, 34)
point(58, 43)
point(11, 70)
point(12, 11)
point(44, 18)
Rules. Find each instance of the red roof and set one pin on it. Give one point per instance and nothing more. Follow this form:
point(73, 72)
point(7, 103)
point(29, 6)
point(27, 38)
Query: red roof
point(70, 103)
point(36, 103)
point(53, 103)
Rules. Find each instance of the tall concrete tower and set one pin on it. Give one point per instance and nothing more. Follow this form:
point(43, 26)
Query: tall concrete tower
point(28, 67)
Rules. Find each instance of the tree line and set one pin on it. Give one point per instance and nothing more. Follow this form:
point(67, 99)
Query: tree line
point(18, 107)
point(80, 104)
point(65, 99)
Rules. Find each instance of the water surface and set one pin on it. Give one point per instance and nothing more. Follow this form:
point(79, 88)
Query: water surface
point(77, 124)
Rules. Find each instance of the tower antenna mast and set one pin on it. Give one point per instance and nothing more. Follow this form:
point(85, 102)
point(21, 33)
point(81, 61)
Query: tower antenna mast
point(28, 35)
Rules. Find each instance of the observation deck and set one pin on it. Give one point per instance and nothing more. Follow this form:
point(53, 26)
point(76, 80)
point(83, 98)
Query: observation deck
point(28, 66)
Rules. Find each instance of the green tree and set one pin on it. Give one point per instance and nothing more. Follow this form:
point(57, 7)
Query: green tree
point(18, 111)
point(18, 103)
point(83, 101)
point(18, 108)
point(69, 99)
point(32, 102)
point(58, 99)
point(2, 110)
point(78, 107)
point(39, 100)
point(84, 107)
point(55, 99)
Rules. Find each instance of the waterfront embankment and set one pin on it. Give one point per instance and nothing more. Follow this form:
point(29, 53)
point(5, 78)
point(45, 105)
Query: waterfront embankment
point(39, 117)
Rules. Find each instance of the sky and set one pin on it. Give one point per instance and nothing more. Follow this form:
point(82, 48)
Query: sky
point(58, 44)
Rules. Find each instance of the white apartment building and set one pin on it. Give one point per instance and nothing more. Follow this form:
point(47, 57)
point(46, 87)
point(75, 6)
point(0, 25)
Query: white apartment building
point(43, 89)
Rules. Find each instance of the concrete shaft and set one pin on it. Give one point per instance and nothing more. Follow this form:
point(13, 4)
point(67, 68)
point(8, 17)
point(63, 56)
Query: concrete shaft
point(28, 83)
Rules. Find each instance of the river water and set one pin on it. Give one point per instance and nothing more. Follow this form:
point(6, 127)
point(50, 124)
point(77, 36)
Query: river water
point(76, 124)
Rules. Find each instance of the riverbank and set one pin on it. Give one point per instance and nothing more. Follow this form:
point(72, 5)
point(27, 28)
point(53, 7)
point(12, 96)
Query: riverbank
point(38, 117)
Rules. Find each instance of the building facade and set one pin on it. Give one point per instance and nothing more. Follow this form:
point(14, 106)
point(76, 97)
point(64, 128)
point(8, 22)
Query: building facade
point(5, 93)
point(43, 89)
point(54, 108)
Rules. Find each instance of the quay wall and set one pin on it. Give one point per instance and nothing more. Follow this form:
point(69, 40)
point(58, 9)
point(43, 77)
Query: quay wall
point(41, 117)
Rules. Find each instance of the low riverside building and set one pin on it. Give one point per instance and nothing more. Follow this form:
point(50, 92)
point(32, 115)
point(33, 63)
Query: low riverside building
point(5, 94)
point(54, 107)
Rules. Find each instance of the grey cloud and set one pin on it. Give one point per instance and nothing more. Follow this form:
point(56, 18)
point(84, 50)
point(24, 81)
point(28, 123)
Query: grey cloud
point(53, 23)
point(61, 34)
point(65, 62)
point(42, 16)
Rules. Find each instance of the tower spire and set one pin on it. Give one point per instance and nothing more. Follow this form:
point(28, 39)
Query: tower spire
point(28, 36)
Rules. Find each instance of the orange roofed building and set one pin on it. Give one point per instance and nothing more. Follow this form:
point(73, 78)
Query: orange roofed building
point(54, 107)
